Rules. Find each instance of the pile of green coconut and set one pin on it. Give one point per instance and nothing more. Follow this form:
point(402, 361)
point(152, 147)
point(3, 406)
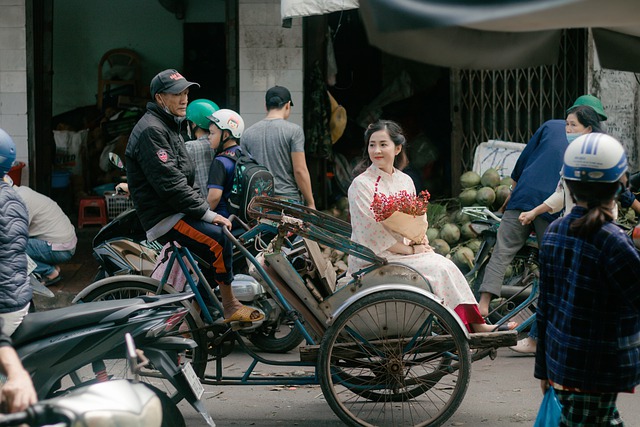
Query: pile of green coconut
point(450, 232)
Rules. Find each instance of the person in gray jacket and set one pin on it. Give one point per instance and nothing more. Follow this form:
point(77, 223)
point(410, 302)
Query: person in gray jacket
point(161, 179)
point(15, 288)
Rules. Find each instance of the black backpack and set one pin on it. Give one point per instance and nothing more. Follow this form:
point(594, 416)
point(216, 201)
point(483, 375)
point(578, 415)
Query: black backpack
point(250, 179)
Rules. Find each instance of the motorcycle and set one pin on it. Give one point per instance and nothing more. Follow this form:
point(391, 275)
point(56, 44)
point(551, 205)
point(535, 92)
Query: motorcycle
point(521, 274)
point(71, 347)
point(102, 404)
point(121, 248)
point(129, 403)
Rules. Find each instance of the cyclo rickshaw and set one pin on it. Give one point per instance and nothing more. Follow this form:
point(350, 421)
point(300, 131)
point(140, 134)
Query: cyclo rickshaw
point(386, 351)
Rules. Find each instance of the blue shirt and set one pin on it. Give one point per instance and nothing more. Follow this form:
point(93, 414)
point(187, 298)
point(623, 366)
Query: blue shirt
point(221, 177)
point(589, 308)
point(537, 169)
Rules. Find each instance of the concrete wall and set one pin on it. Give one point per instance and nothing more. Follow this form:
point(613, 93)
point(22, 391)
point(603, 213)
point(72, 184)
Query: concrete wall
point(84, 30)
point(269, 55)
point(620, 96)
point(13, 74)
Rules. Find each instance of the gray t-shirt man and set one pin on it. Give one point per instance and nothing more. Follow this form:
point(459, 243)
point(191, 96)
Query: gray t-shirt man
point(271, 142)
point(279, 145)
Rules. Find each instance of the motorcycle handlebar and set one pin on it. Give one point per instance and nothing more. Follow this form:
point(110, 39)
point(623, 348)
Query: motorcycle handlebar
point(35, 415)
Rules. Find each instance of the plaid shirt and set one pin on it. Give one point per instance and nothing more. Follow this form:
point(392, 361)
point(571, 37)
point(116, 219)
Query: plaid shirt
point(589, 308)
point(202, 155)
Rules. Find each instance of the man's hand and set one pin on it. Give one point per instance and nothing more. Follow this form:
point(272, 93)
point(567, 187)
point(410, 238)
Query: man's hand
point(18, 392)
point(220, 220)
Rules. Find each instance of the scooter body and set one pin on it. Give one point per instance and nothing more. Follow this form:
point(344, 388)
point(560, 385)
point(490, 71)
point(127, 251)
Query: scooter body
point(119, 402)
point(56, 345)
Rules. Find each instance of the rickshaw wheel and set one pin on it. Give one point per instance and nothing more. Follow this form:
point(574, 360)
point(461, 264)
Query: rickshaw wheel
point(394, 358)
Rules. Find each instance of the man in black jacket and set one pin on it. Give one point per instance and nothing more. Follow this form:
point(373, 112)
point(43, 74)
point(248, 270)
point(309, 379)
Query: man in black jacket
point(161, 176)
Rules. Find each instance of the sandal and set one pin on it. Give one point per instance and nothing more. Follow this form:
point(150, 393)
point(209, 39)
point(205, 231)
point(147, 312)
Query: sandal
point(243, 314)
point(507, 326)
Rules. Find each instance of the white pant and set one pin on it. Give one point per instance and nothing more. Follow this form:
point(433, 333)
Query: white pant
point(13, 319)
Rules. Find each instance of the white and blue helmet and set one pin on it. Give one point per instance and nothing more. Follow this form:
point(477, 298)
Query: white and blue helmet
point(594, 157)
point(7, 152)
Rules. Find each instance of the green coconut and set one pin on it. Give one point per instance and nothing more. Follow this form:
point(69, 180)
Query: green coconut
point(432, 234)
point(441, 247)
point(469, 179)
point(506, 181)
point(450, 233)
point(460, 217)
point(474, 245)
point(486, 196)
point(490, 178)
point(463, 258)
point(468, 197)
point(466, 232)
point(502, 193)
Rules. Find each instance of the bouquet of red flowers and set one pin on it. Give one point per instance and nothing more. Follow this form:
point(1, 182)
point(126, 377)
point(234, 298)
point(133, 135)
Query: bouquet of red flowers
point(402, 212)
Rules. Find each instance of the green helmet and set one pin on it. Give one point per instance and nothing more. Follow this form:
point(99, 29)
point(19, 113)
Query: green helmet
point(199, 110)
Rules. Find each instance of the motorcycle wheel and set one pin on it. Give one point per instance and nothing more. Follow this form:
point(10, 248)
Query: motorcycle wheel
point(277, 339)
point(129, 289)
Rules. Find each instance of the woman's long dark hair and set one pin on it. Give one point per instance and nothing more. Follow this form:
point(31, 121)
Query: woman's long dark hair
point(397, 136)
point(587, 116)
point(599, 199)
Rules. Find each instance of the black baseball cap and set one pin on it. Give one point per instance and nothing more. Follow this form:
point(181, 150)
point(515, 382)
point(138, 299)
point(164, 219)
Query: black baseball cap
point(277, 96)
point(169, 81)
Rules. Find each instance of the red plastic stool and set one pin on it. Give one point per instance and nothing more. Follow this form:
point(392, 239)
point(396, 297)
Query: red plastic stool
point(93, 210)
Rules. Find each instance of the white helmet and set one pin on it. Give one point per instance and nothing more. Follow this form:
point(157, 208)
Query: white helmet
point(229, 120)
point(594, 157)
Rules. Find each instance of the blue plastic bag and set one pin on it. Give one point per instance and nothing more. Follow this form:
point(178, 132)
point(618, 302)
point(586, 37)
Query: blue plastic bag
point(550, 410)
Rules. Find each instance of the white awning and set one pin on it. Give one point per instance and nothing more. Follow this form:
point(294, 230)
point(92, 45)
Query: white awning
point(489, 34)
point(297, 8)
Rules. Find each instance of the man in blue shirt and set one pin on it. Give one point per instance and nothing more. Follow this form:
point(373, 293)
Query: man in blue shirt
point(535, 177)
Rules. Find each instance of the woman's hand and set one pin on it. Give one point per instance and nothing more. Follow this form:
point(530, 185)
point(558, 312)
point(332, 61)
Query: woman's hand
point(527, 217)
point(421, 249)
point(544, 385)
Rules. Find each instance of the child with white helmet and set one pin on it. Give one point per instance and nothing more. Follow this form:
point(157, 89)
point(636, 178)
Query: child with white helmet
point(225, 130)
point(588, 313)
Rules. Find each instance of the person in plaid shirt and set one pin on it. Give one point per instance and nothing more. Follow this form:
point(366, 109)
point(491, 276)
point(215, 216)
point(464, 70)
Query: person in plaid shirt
point(589, 305)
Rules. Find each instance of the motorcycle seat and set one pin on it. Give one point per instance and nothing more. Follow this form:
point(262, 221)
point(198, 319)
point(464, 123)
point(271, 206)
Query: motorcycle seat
point(45, 323)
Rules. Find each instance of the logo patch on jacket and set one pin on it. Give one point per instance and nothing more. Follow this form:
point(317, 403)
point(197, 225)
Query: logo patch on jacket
point(162, 155)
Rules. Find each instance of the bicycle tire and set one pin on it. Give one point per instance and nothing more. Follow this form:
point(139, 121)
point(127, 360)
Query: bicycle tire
point(130, 289)
point(365, 365)
point(267, 338)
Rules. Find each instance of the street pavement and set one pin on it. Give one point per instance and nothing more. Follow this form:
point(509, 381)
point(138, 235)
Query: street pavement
point(502, 392)
point(76, 274)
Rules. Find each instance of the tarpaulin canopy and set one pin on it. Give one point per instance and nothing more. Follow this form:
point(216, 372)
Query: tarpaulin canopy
point(297, 8)
point(500, 34)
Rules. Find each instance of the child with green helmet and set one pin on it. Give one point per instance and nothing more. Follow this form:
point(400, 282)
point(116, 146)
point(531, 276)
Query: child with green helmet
point(198, 147)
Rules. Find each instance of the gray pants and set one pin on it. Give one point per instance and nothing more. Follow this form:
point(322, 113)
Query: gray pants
point(511, 238)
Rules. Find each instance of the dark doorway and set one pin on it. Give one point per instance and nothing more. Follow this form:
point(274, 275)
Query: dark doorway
point(205, 61)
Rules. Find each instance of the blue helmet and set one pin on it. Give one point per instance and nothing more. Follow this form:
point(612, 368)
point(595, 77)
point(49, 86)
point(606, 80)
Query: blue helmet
point(7, 152)
point(594, 157)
